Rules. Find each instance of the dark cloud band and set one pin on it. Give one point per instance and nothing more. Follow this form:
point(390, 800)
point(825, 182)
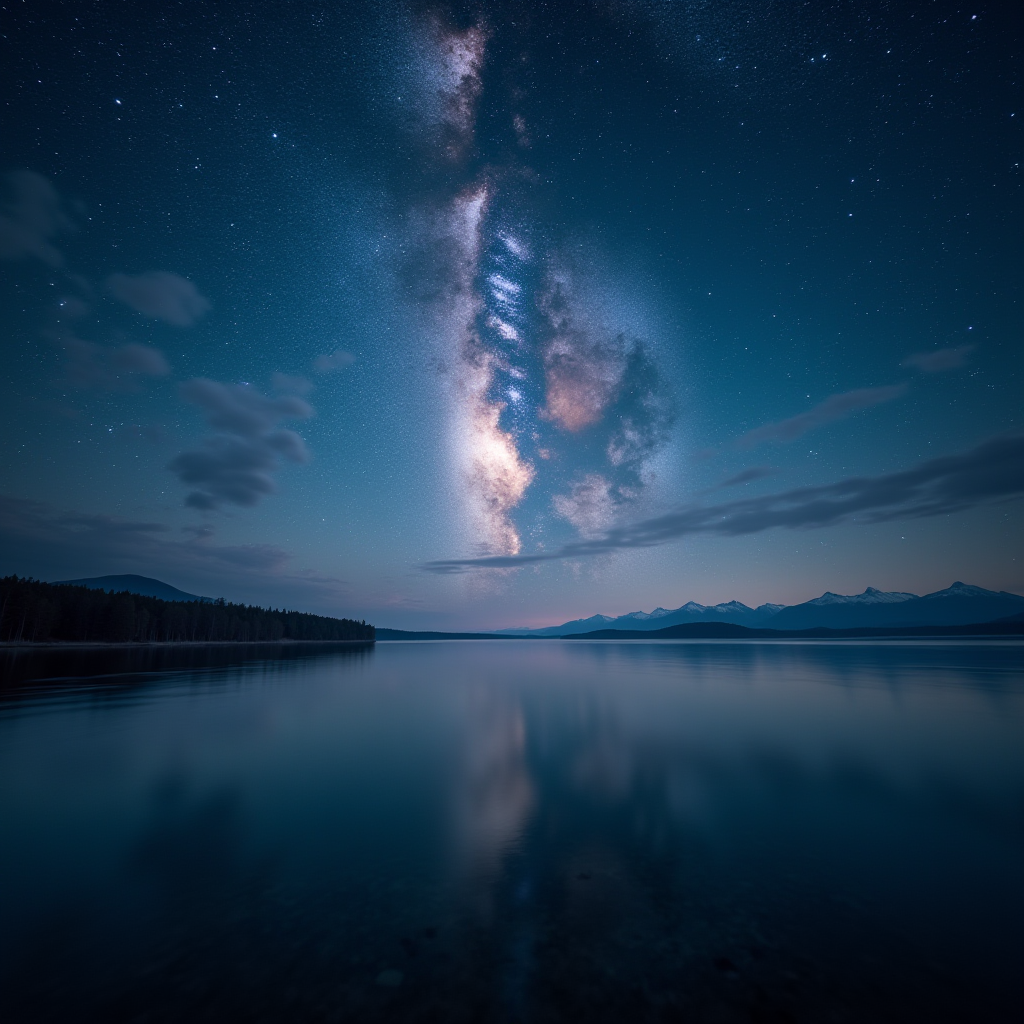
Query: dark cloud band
point(235, 464)
point(992, 471)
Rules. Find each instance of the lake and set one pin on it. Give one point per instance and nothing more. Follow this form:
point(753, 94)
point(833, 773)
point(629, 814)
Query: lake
point(516, 831)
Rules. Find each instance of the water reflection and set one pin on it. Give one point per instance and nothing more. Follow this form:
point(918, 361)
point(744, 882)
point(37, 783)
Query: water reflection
point(493, 791)
point(523, 831)
point(26, 665)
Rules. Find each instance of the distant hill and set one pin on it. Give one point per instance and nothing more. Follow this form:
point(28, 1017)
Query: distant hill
point(960, 604)
point(414, 634)
point(731, 611)
point(1013, 626)
point(143, 585)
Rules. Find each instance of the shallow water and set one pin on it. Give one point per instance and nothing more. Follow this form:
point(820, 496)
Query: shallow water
point(518, 831)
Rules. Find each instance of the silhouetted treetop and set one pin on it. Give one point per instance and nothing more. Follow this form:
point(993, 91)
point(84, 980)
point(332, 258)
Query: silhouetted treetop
point(35, 611)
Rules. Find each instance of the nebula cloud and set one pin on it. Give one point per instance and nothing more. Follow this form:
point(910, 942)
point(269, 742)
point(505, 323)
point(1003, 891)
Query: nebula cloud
point(582, 368)
point(589, 505)
point(450, 84)
point(498, 475)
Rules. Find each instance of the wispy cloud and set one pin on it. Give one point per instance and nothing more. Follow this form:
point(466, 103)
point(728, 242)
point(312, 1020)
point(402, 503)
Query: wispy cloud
point(235, 465)
point(161, 295)
point(939, 359)
point(46, 541)
point(992, 471)
point(31, 218)
point(286, 384)
point(109, 368)
point(336, 360)
point(745, 476)
point(835, 407)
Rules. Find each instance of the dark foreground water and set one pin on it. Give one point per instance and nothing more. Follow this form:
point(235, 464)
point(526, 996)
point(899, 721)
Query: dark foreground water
point(519, 831)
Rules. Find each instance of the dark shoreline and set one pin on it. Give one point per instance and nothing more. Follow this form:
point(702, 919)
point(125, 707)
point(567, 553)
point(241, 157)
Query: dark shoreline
point(729, 631)
point(44, 645)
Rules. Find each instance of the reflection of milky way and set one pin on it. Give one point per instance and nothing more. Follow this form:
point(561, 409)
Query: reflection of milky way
point(496, 793)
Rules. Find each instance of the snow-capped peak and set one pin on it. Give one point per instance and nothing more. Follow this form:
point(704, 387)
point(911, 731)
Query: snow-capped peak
point(645, 616)
point(959, 589)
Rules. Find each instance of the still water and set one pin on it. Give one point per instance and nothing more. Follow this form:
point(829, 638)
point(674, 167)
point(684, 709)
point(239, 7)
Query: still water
point(507, 831)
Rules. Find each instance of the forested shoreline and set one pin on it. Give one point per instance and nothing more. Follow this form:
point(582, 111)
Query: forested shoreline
point(33, 611)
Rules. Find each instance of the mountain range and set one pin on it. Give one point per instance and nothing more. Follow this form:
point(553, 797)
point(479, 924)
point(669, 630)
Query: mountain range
point(960, 604)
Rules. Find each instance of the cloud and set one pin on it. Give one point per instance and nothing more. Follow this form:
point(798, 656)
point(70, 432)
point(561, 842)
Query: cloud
point(589, 505)
point(109, 369)
point(939, 359)
point(336, 360)
point(235, 464)
point(993, 471)
point(30, 218)
point(39, 539)
point(746, 476)
point(161, 295)
point(835, 407)
point(289, 385)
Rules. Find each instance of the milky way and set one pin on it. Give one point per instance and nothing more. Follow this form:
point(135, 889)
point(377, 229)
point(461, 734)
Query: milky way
point(537, 377)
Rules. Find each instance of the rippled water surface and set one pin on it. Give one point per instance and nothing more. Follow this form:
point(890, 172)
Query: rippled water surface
point(517, 831)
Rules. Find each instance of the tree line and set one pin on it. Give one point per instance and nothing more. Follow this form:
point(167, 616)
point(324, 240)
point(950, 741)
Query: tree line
point(37, 611)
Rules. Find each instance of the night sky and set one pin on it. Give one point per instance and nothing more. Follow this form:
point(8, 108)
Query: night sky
point(504, 314)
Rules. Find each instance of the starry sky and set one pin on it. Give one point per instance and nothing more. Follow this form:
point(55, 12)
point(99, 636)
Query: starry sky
point(502, 314)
